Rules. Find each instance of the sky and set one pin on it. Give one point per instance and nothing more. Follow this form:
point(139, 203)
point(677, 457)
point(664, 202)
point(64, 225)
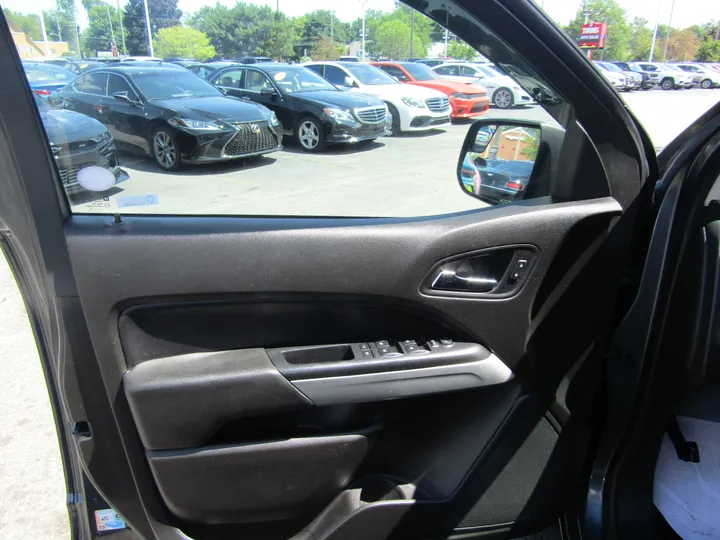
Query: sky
point(686, 12)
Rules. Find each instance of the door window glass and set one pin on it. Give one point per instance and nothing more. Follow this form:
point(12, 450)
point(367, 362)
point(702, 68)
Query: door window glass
point(446, 70)
point(256, 81)
point(229, 79)
point(119, 84)
point(93, 83)
point(396, 72)
point(335, 75)
point(466, 71)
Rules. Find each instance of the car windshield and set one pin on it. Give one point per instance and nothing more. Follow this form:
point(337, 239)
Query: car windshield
point(295, 80)
point(635, 68)
point(671, 67)
point(173, 83)
point(370, 75)
point(488, 71)
point(610, 67)
point(420, 72)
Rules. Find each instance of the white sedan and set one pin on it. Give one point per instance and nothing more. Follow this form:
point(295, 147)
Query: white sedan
point(504, 92)
point(413, 108)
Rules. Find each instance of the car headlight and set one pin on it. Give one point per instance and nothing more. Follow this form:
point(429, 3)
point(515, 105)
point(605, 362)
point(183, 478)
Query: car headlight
point(413, 102)
point(274, 119)
point(195, 125)
point(103, 137)
point(338, 115)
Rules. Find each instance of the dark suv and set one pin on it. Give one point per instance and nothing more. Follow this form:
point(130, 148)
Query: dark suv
point(649, 80)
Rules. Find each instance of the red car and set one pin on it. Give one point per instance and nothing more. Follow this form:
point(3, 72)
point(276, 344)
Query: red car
point(467, 99)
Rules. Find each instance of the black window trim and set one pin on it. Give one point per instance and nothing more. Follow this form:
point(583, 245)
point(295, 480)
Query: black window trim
point(86, 75)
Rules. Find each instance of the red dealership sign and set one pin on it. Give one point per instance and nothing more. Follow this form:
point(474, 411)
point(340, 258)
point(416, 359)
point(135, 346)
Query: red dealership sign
point(592, 35)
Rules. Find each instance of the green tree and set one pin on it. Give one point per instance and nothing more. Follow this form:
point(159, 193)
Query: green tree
point(184, 42)
point(163, 14)
point(461, 51)
point(246, 29)
point(98, 35)
point(709, 51)
point(641, 40)
point(325, 49)
point(682, 45)
point(60, 22)
point(611, 12)
point(323, 22)
point(30, 24)
point(392, 40)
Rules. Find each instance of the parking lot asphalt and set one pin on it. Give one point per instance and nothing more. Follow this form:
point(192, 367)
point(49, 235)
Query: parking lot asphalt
point(411, 175)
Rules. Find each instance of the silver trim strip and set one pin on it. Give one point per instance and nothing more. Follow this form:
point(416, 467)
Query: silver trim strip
point(407, 383)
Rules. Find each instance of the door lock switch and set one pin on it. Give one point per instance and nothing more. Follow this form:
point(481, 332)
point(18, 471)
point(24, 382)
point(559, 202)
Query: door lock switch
point(518, 272)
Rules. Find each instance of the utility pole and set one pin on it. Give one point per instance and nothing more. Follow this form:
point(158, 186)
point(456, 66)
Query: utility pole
point(362, 3)
point(122, 30)
point(447, 16)
point(57, 23)
point(667, 38)
point(657, 23)
point(112, 32)
point(149, 32)
point(42, 27)
point(412, 34)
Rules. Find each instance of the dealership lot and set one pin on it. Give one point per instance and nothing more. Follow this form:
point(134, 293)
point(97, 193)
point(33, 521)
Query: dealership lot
point(411, 175)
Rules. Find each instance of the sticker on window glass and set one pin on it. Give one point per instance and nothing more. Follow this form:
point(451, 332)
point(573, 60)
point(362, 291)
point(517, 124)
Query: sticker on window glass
point(94, 178)
point(108, 520)
point(280, 75)
point(136, 200)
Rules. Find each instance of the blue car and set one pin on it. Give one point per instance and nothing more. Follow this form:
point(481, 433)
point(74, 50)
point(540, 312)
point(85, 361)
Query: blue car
point(44, 78)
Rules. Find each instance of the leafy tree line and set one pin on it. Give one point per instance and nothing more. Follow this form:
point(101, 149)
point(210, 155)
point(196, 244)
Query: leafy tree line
point(248, 29)
point(630, 40)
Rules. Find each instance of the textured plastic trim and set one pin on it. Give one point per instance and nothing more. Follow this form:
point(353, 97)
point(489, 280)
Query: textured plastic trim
point(179, 401)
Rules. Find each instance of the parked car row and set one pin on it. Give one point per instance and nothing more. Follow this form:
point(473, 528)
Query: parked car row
point(626, 75)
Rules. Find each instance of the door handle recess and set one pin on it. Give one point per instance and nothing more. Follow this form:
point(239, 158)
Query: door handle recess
point(497, 272)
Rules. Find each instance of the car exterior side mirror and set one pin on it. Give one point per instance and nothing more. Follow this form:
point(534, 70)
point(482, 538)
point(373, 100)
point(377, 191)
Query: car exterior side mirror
point(124, 96)
point(349, 82)
point(268, 92)
point(503, 161)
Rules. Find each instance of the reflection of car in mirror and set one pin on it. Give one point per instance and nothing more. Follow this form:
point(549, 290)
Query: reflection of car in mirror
point(499, 161)
point(172, 115)
point(309, 108)
point(78, 141)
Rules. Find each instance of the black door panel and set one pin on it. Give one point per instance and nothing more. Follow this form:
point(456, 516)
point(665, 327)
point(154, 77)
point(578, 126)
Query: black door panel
point(221, 418)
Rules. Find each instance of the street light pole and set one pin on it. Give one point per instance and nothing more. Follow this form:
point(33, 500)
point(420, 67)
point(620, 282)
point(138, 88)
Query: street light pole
point(42, 27)
point(412, 34)
point(122, 30)
point(657, 23)
point(149, 33)
point(667, 38)
point(363, 2)
point(112, 32)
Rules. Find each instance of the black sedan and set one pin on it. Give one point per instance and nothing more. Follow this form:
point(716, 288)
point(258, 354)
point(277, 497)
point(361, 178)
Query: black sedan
point(309, 107)
point(503, 181)
point(172, 115)
point(78, 141)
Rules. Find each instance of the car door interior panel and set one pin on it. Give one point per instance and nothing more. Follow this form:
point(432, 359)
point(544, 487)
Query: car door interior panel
point(354, 394)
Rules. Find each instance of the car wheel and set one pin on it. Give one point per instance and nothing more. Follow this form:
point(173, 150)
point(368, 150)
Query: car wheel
point(165, 149)
point(310, 135)
point(396, 131)
point(707, 83)
point(503, 98)
point(667, 84)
